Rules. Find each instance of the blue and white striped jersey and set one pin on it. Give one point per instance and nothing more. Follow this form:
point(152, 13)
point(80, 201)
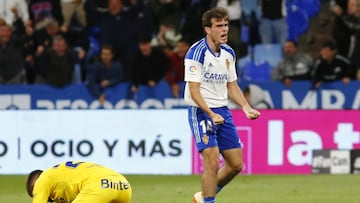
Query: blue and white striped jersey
point(211, 71)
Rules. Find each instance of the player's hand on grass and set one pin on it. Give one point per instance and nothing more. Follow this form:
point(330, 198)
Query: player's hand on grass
point(252, 114)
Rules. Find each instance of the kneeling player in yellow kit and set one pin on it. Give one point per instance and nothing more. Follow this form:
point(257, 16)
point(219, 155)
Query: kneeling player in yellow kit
point(78, 182)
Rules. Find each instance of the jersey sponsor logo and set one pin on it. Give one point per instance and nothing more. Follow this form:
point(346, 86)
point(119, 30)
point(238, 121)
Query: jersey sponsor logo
point(215, 76)
point(118, 185)
point(15, 101)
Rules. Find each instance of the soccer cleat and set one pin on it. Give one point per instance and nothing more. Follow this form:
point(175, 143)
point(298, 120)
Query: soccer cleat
point(198, 198)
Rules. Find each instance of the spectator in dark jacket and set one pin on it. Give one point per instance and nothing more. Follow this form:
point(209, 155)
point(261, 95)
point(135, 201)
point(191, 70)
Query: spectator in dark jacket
point(331, 66)
point(344, 27)
point(56, 64)
point(149, 64)
point(116, 29)
point(104, 74)
point(11, 57)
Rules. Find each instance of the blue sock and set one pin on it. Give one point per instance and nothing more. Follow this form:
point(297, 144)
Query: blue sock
point(219, 188)
point(209, 200)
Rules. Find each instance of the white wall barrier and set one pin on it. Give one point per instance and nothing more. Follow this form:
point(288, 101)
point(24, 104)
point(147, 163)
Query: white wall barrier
point(130, 141)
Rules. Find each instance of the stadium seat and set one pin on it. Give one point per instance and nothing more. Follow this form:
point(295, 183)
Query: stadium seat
point(259, 70)
point(272, 53)
point(297, 20)
point(240, 63)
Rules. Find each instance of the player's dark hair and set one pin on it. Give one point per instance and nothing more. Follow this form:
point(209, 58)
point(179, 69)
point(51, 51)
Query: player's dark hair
point(218, 13)
point(30, 181)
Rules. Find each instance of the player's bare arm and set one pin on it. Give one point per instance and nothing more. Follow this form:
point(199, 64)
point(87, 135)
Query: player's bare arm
point(194, 88)
point(237, 96)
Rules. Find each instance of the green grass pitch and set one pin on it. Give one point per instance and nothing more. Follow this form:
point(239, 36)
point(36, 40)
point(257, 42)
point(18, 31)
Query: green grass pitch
point(243, 189)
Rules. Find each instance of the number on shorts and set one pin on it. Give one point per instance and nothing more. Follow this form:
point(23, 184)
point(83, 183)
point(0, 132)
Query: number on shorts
point(206, 126)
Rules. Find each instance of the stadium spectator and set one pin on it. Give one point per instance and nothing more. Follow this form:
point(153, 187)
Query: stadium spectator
point(295, 65)
point(117, 29)
point(104, 73)
point(12, 10)
point(71, 8)
point(166, 12)
point(331, 66)
point(167, 36)
point(12, 70)
point(210, 77)
point(78, 182)
point(56, 64)
point(235, 11)
point(273, 27)
point(175, 73)
point(344, 27)
point(191, 28)
point(75, 37)
point(149, 64)
point(342, 3)
point(39, 10)
point(142, 20)
point(351, 22)
point(95, 11)
point(255, 96)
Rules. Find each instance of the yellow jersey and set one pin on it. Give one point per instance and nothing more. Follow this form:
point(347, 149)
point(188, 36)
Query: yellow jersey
point(64, 182)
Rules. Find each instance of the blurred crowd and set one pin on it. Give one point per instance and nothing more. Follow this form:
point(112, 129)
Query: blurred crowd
point(105, 42)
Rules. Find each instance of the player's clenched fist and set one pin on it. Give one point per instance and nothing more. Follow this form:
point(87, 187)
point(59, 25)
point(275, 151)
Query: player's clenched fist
point(217, 119)
point(252, 114)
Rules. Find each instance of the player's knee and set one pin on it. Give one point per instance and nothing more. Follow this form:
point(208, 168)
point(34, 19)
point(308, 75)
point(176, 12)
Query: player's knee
point(236, 169)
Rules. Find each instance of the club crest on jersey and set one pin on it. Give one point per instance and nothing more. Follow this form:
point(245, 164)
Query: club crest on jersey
point(205, 139)
point(227, 62)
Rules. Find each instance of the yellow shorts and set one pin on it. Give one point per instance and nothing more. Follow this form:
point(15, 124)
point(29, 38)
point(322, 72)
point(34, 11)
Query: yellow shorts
point(109, 189)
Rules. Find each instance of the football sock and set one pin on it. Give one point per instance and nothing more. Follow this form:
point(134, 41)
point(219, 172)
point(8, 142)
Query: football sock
point(219, 188)
point(209, 200)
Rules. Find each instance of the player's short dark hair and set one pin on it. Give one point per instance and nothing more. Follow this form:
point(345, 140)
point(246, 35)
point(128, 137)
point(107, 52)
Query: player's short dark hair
point(217, 13)
point(30, 179)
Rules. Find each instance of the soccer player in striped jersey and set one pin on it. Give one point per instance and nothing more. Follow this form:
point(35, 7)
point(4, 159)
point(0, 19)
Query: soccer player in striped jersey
point(211, 79)
point(78, 182)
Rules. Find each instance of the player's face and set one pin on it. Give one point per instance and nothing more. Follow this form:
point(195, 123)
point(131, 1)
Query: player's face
point(218, 31)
